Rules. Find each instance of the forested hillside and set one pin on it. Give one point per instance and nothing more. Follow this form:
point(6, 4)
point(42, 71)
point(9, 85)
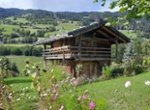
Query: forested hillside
point(40, 23)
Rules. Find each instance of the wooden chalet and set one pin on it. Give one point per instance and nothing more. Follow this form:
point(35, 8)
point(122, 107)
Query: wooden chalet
point(83, 51)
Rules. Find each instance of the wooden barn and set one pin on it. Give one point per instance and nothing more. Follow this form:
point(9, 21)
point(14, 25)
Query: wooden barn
point(83, 51)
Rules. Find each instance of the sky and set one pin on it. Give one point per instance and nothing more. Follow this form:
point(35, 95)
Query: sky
point(56, 5)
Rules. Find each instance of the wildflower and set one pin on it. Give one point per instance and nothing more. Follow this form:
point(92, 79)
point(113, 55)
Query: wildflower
point(33, 75)
point(147, 83)
point(32, 85)
point(27, 66)
point(84, 96)
point(61, 107)
point(33, 67)
point(79, 98)
point(127, 84)
point(53, 97)
point(74, 82)
point(92, 105)
point(10, 96)
point(38, 88)
point(18, 99)
point(52, 70)
point(45, 94)
point(29, 97)
point(28, 71)
point(22, 94)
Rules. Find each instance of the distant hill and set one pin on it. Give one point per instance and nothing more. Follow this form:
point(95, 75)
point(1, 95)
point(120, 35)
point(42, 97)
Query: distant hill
point(18, 25)
point(85, 17)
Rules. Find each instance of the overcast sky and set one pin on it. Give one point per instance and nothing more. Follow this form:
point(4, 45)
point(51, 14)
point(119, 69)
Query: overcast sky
point(55, 5)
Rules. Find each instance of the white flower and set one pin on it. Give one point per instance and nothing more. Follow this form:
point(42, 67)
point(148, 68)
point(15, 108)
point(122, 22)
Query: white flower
point(18, 99)
point(61, 107)
point(33, 67)
point(28, 71)
point(33, 75)
point(147, 83)
point(127, 84)
point(52, 70)
point(27, 65)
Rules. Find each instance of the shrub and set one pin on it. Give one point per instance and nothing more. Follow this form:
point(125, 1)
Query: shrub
point(107, 71)
point(26, 50)
point(14, 69)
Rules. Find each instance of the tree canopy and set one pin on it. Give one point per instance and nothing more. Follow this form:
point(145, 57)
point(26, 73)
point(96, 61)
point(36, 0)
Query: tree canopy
point(132, 8)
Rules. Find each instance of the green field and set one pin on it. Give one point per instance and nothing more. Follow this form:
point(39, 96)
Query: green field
point(60, 28)
point(136, 97)
point(24, 97)
point(20, 61)
point(19, 20)
point(15, 45)
point(118, 97)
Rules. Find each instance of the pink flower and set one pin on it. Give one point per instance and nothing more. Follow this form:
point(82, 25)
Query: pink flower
point(74, 82)
point(91, 105)
point(84, 96)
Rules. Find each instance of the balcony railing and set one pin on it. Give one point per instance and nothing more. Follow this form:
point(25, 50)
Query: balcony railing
point(78, 53)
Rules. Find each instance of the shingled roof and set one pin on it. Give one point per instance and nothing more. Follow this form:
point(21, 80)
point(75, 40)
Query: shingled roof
point(82, 30)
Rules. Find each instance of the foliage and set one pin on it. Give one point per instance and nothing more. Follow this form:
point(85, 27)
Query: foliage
point(5, 92)
point(54, 93)
point(114, 70)
point(24, 97)
point(131, 65)
point(132, 8)
point(23, 50)
point(8, 68)
point(107, 71)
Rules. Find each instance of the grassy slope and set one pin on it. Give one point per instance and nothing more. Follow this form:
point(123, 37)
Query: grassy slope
point(117, 96)
point(20, 61)
point(24, 98)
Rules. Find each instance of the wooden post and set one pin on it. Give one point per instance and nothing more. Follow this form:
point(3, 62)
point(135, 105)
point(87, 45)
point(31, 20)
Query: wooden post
point(63, 60)
point(116, 50)
point(45, 60)
point(93, 43)
point(74, 69)
point(79, 47)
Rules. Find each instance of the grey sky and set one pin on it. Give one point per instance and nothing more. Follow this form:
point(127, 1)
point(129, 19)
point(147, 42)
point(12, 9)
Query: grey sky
point(55, 5)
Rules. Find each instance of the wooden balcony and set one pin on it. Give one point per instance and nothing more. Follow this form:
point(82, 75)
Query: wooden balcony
point(78, 53)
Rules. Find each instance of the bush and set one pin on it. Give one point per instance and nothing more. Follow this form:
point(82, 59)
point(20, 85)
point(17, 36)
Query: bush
point(114, 70)
point(8, 68)
point(26, 50)
point(14, 69)
point(107, 71)
point(15, 51)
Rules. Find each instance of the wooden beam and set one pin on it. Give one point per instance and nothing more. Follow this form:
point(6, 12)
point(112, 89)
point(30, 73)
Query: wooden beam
point(79, 47)
point(45, 60)
point(105, 28)
point(95, 39)
point(94, 59)
point(106, 35)
point(116, 49)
